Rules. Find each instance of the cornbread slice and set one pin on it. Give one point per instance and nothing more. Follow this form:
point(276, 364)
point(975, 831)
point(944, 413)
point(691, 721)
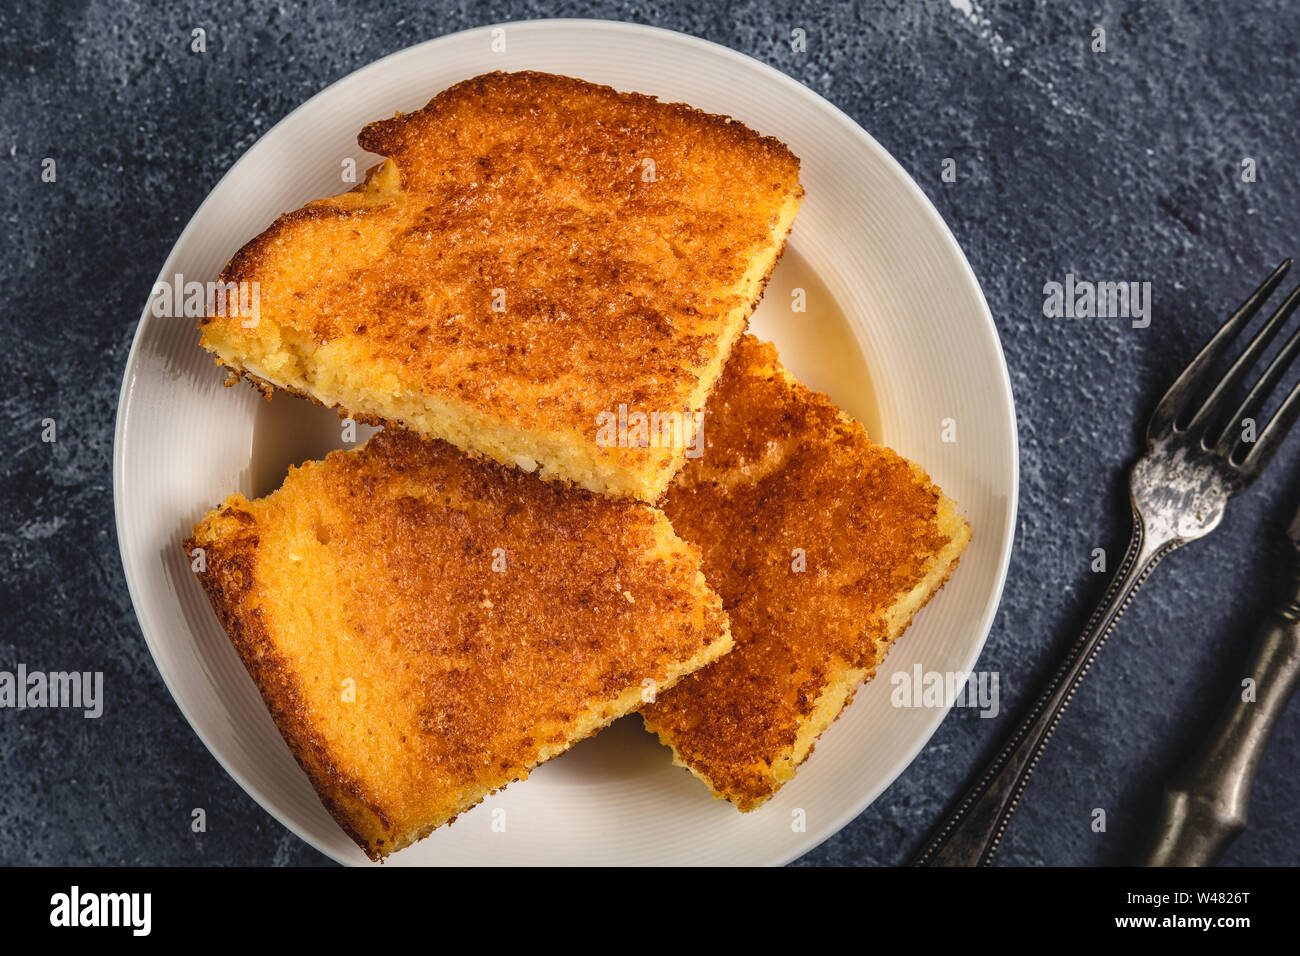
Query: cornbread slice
point(536, 255)
point(426, 628)
point(788, 481)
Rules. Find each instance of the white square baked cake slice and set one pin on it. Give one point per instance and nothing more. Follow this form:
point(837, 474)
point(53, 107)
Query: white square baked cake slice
point(426, 628)
point(535, 254)
point(823, 546)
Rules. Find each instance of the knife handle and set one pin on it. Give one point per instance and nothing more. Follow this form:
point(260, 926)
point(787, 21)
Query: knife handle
point(1205, 804)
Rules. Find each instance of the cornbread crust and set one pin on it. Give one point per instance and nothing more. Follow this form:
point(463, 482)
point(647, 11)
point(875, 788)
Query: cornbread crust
point(378, 567)
point(784, 469)
point(619, 283)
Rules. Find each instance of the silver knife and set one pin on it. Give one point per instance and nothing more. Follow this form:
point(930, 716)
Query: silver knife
point(1205, 805)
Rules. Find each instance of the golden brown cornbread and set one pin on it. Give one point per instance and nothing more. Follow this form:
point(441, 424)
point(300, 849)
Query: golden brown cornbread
point(784, 469)
point(426, 628)
point(536, 251)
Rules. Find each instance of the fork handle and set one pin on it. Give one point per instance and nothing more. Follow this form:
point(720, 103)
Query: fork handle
point(971, 833)
point(1205, 804)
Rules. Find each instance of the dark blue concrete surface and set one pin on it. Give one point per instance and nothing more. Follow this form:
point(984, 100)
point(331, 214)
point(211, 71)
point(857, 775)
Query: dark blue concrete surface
point(1117, 165)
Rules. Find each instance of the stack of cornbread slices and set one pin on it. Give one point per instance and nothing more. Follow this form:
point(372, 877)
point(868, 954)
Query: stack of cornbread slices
point(589, 482)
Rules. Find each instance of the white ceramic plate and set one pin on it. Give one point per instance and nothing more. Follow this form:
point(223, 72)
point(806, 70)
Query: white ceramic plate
point(896, 331)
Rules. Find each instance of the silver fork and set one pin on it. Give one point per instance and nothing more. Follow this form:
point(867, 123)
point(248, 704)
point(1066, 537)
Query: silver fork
point(1197, 457)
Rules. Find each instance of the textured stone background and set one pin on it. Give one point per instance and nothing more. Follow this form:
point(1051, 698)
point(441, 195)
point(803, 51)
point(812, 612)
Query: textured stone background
point(1122, 165)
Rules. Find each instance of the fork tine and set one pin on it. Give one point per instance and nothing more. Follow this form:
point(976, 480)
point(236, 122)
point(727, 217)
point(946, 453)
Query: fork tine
point(1213, 406)
point(1174, 402)
point(1266, 446)
point(1268, 381)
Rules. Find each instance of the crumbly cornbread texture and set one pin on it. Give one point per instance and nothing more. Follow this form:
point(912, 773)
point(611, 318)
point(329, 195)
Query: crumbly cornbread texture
point(822, 544)
point(425, 628)
point(535, 253)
